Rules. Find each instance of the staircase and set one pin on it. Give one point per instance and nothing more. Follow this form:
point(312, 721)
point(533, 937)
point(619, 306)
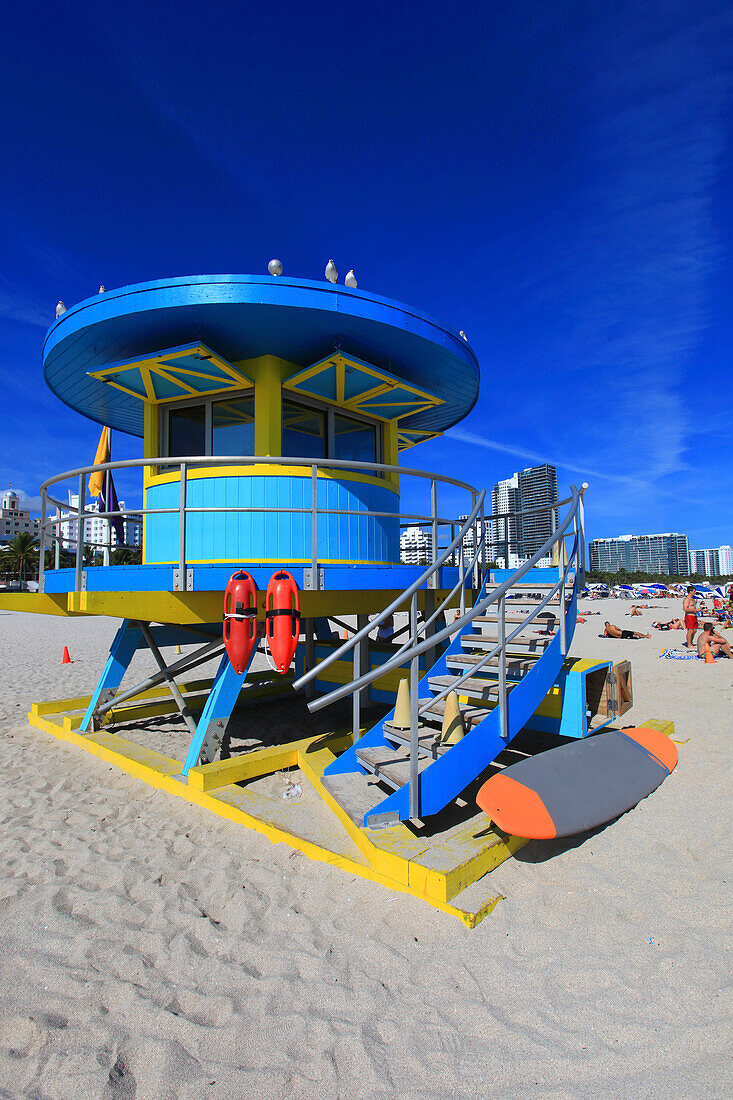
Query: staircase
point(506, 653)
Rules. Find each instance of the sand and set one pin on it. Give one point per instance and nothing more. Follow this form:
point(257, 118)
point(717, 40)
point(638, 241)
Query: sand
point(151, 950)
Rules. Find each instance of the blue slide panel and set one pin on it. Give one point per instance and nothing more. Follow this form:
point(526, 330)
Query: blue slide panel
point(451, 773)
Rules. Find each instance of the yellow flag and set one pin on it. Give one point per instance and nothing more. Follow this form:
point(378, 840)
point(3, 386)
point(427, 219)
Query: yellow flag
point(96, 480)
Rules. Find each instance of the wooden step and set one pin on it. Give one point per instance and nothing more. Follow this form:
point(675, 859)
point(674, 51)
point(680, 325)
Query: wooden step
point(489, 641)
point(355, 793)
point(515, 667)
point(487, 690)
point(471, 715)
point(493, 617)
point(526, 586)
point(391, 766)
point(428, 743)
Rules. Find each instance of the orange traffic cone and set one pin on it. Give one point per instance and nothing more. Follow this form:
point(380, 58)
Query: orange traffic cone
point(709, 659)
point(66, 659)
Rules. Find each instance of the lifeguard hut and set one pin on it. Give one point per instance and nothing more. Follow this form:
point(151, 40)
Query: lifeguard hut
point(273, 413)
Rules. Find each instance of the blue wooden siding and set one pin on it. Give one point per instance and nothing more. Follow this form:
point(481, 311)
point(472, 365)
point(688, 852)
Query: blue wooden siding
point(281, 535)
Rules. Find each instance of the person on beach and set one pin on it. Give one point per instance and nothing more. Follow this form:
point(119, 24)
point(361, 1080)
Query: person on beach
point(612, 631)
point(690, 613)
point(718, 645)
point(635, 610)
point(673, 624)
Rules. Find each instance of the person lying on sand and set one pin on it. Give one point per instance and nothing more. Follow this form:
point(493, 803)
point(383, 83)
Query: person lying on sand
point(717, 643)
point(635, 610)
point(673, 624)
point(612, 631)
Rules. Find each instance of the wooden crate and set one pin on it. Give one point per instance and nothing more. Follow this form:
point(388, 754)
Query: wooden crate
point(617, 695)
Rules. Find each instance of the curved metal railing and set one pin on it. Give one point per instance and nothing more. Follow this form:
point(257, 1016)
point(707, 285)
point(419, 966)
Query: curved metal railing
point(69, 516)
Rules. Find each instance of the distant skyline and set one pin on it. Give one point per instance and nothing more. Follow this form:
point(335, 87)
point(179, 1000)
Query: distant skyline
point(553, 179)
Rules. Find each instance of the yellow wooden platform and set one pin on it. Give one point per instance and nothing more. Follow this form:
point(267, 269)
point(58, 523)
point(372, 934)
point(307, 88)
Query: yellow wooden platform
point(443, 869)
point(446, 868)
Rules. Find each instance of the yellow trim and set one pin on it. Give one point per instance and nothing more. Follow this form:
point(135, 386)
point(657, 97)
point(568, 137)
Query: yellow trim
point(163, 364)
point(39, 603)
point(385, 382)
point(274, 561)
point(206, 607)
point(269, 470)
point(390, 437)
point(399, 861)
point(268, 406)
point(410, 437)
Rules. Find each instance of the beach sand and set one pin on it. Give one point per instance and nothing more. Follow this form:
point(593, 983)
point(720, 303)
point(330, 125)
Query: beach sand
point(152, 950)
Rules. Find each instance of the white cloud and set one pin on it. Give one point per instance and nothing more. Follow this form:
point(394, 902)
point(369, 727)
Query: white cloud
point(18, 307)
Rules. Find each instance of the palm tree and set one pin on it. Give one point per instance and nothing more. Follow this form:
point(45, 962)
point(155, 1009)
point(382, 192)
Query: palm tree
point(20, 553)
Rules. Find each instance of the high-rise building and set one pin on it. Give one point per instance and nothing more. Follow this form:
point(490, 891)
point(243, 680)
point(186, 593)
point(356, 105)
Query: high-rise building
point(666, 553)
point(416, 546)
point(530, 493)
point(716, 562)
point(504, 499)
point(725, 559)
point(15, 520)
point(537, 490)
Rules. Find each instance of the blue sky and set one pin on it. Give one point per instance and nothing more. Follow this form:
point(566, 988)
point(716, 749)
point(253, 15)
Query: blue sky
point(555, 179)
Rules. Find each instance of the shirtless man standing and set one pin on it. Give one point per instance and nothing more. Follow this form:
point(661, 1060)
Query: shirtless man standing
point(691, 624)
point(716, 642)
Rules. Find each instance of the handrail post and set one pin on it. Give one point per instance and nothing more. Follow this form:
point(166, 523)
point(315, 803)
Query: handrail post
point(42, 545)
point(107, 552)
point(356, 698)
point(80, 531)
point(433, 582)
point(314, 526)
point(462, 578)
point(474, 579)
point(503, 716)
point(581, 533)
point(57, 546)
point(182, 529)
point(414, 679)
point(482, 558)
point(563, 637)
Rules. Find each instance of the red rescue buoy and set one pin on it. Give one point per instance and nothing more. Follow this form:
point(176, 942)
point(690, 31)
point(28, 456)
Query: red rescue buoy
point(282, 619)
point(240, 620)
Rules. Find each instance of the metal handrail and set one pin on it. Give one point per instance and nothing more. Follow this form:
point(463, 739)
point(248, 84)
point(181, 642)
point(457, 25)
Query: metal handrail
point(412, 650)
point(398, 660)
point(503, 643)
point(389, 610)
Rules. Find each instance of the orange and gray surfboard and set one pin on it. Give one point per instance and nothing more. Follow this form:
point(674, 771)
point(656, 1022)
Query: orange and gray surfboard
point(578, 786)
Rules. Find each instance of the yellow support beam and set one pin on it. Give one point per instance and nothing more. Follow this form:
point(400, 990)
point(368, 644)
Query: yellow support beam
point(38, 603)
point(251, 765)
point(206, 607)
point(267, 372)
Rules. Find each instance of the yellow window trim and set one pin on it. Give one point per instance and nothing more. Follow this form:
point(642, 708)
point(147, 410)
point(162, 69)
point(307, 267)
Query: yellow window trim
point(267, 470)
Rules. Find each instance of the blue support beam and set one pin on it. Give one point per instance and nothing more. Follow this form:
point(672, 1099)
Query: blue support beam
point(217, 711)
point(127, 640)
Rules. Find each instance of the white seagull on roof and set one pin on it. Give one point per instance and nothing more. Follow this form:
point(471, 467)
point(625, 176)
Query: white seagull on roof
point(60, 308)
point(275, 267)
point(462, 333)
point(102, 288)
point(350, 280)
point(331, 272)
